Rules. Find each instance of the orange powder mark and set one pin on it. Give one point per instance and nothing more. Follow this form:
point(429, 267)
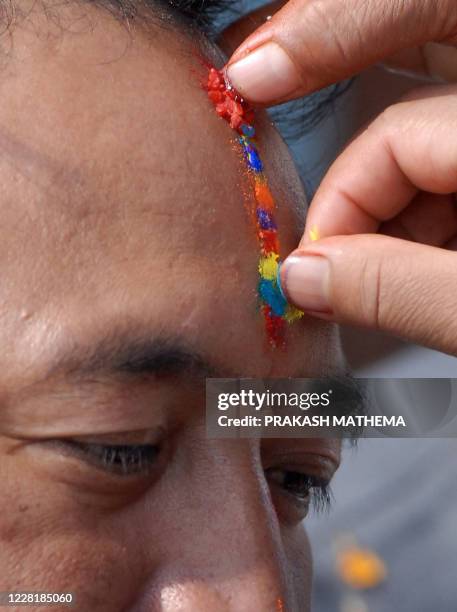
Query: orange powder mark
point(263, 195)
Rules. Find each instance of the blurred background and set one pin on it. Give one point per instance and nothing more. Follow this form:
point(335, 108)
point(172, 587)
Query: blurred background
point(389, 542)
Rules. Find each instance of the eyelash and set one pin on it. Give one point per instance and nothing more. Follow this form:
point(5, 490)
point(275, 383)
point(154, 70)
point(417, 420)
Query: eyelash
point(305, 488)
point(138, 459)
point(121, 459)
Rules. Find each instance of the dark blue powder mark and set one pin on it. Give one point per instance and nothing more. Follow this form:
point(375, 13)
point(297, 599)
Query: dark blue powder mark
point(270, 294)
point(251, 156)
point(266, 221)
point(253, 159)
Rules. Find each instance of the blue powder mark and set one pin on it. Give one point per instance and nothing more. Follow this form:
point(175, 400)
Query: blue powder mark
point(270, 294)
point(248, 130)
point(265, 220)
point(253, 159)
point(251, 155)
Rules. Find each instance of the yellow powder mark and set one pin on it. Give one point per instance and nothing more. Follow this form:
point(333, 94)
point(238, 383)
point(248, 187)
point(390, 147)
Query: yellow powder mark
point(360, 568)
point(292, 314)
point(268, 266)
point(314, 234)
point(263, 195)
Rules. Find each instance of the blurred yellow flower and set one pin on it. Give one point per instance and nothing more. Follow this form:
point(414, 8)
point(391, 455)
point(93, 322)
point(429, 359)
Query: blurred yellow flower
point(360, 568)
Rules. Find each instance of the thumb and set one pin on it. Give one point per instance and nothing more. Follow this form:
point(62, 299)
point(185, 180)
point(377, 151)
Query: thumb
point(404, 288)
point(309, 44)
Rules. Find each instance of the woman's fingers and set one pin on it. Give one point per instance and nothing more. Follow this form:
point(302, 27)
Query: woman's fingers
point(379, 282)
point(409, 148)
point(429, 219)
point(311, 43)
point(387, 176)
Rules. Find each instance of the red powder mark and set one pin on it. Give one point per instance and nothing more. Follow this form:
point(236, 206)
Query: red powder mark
point(275, 328)
point(229, 105)
point(269, 242)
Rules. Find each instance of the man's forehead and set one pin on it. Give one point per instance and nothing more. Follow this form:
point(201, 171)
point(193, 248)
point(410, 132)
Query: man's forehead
point(102, 161)
point(86, 143)
point(122, 190)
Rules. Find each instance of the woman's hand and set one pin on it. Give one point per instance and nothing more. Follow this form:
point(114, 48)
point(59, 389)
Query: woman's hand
point(398, 177)
point(308, 44)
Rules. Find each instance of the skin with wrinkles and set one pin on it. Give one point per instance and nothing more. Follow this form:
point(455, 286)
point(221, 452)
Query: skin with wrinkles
point(129, 272)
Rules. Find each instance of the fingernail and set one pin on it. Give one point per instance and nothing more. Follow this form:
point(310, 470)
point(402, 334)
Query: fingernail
point(305, 280)
point(265, 74)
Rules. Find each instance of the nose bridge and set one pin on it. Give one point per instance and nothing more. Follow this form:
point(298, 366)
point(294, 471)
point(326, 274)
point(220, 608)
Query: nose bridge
point(234, 560)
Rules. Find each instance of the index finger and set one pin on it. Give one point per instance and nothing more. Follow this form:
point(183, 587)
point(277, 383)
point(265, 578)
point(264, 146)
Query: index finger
point(309, 44)
point(409, 148)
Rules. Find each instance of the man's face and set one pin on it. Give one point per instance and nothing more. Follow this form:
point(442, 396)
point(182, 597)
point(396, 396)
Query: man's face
point(129, 270)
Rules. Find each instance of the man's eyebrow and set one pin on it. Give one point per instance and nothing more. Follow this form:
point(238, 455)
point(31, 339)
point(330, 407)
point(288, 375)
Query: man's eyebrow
point(349, 393)
point(123, 355)
point(353, 396)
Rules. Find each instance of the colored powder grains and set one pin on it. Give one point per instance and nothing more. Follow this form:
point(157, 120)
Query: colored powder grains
point(231, 107)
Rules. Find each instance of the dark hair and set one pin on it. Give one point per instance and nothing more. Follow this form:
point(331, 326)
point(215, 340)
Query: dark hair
point(199, 13)
point(196, 13)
